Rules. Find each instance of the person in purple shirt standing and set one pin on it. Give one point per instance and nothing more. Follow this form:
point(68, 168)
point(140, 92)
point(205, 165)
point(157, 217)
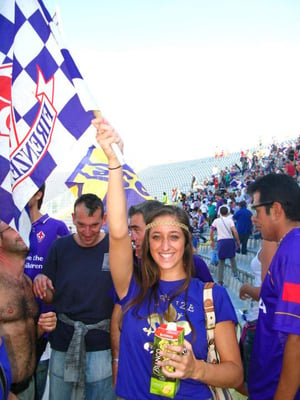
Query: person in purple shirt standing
point(275, 368)
point(44, 231)
point(137, 227)
point(162, 289)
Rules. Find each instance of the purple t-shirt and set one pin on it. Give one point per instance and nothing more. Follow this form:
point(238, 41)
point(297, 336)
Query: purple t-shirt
point(43, 233)
point(137, 334)
point(201, 269)
point(279, 315)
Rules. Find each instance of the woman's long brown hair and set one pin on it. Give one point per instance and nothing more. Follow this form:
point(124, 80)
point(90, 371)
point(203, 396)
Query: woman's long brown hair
point(149, 276)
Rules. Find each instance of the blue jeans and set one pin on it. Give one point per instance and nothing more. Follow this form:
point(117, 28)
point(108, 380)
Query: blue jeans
point(41, 375)
point(98, 376)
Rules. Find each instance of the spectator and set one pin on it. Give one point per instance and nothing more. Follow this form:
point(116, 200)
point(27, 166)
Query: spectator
point(175, 195)
point(239, 196)
point(202, 223)
point(243, 222)
point(204, 208)
point(290, 168)
point(19, 313)
point(195, 230)
point(166, 285)
point(76, 280)
point(211, 212)
point(137, 214)
point(275, 369)
point(165, 199)
point(194, 182)
point(259, 267)
point(220, 201)
point(226, 232)
point(44, 231)
point(137, 227)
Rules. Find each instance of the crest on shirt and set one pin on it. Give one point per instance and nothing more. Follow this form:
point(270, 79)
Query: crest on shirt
point(40, 236)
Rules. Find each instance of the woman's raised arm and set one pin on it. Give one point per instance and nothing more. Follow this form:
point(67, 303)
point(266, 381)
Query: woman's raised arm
point(120, 250)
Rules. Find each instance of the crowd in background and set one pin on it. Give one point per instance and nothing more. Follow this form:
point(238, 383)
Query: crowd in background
point(228, 186)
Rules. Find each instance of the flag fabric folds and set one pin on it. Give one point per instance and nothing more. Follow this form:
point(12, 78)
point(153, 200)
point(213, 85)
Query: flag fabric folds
point(91, 176)
point(43, 112)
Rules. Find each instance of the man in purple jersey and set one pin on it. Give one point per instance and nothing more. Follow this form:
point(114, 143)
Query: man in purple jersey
point(44, 231)
point(275, 368)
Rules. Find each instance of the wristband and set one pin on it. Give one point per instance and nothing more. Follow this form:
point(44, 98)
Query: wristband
point(112, 168)
point(115, 360)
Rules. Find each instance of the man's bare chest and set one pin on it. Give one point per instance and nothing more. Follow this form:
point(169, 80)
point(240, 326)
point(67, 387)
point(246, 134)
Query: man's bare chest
point(17, 301)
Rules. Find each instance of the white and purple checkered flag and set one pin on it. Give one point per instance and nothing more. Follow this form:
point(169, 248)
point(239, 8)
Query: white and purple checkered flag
point(44, 105)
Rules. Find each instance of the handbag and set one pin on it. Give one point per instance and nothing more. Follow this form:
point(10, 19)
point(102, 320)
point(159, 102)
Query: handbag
point(218, 393)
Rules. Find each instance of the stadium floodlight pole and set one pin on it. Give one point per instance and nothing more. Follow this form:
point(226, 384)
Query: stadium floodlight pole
point(114, 146)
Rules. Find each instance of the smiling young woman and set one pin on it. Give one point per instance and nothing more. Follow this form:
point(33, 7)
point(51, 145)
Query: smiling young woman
point(165, 291)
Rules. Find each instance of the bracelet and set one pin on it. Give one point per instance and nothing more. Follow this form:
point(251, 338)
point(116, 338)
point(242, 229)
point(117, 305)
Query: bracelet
point(115, 360)
point(119, 166)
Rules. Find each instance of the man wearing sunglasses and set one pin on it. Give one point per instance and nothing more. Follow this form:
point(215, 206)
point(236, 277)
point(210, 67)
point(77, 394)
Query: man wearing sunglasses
point(275, 369)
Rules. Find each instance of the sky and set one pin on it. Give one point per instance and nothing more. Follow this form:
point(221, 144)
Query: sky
point(183, 79)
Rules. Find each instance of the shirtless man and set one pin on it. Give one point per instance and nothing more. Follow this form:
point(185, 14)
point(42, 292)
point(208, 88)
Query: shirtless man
point(18, 313)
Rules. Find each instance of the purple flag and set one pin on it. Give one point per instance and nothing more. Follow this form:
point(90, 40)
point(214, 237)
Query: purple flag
point(41, 107)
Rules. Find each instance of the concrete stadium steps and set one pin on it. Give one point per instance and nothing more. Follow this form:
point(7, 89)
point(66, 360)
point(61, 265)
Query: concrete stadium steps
point(231, 283)
point(163, 178)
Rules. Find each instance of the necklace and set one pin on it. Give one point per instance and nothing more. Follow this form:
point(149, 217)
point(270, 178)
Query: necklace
point(280, 240)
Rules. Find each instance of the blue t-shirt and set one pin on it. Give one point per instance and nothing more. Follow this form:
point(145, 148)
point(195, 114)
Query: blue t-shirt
point(82, 281)
point(279, 315)
point(243, 221)
point(201, 272)
point(137, 336)
point(6, 377)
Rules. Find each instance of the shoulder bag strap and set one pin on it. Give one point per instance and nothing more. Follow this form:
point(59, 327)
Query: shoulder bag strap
point(210, 317)
point(228, 230)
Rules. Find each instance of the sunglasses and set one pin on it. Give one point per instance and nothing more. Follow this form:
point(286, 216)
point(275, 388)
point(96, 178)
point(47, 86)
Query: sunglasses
point(264, 203)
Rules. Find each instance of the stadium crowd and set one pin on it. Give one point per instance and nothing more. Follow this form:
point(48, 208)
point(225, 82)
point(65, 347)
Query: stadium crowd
point(228, 186)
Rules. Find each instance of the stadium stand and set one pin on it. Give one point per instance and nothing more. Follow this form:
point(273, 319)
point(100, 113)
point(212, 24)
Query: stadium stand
point(163, 178)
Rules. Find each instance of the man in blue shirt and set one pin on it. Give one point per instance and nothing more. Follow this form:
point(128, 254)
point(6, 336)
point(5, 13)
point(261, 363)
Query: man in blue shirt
point(243, 223)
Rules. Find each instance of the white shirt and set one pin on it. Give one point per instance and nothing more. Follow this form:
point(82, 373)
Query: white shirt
point(223, 226)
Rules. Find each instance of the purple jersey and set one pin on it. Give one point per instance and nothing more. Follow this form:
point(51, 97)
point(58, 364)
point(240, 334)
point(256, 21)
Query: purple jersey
point(43, 233)
point(137, 335)
point(201, 269)
point(279, 315)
